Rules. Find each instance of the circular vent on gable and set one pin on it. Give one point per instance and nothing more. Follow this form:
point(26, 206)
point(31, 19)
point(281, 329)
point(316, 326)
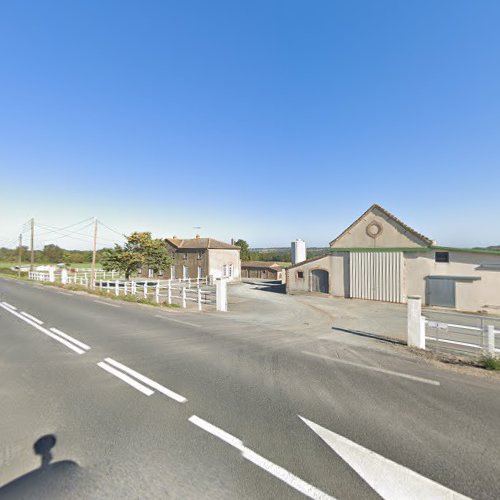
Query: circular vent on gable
point(374, 230)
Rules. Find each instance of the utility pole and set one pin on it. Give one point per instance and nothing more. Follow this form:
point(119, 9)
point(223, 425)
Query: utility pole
point(19, 255)
point(94, 251)
point(32, 265)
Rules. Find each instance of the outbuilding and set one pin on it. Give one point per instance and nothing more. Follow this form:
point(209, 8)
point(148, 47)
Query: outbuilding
point(261, 270)
point(379, 257)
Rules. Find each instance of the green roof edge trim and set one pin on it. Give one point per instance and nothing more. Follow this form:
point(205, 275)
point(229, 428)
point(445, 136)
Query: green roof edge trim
point(418, 249)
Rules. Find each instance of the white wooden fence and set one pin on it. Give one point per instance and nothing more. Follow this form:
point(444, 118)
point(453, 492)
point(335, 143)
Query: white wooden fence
point(442, 330)
point(180, 291)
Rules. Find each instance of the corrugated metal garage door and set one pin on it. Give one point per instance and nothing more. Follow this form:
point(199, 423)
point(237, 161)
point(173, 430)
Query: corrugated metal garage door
point(376, 276)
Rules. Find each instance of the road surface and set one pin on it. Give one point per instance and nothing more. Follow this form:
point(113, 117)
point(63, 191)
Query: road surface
point(105, 399)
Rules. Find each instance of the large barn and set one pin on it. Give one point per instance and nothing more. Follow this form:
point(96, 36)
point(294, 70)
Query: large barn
point(379, 257)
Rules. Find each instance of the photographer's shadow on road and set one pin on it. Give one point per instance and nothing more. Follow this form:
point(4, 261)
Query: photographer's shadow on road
point(51, 479)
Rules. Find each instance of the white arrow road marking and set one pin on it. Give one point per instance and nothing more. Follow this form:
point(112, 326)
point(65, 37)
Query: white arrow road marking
point(389, 479)
point(155, 385)
point(287, 477)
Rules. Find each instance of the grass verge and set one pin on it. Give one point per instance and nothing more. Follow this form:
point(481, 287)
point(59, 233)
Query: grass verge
point(75, 288)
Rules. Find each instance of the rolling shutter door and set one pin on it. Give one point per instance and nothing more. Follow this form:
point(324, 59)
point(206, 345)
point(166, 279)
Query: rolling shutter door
point(376, 276)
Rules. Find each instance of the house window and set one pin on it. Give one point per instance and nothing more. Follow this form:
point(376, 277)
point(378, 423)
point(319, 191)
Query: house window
point(200, 272)
point(300, 275)
point(150, 273)
point(185, 256)
point(224, 271)
point(185, 273)
point(160, 272)
point(442, 257)
point(172, 272)
point(200, 255)
point(230, 271)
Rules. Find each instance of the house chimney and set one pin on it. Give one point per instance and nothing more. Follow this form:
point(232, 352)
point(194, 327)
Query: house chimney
point(197, 236)
point(232, 241)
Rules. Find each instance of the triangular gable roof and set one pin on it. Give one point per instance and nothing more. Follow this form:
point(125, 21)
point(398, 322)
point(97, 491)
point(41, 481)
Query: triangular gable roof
point(427, 241)
point(201, 243)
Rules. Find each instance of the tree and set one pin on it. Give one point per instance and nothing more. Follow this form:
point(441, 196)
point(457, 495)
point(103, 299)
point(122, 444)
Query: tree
point(139, 251)
point(53, 253)
point(245, 249)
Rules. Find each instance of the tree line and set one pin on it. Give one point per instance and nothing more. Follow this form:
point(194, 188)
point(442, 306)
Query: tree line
point(51, 254)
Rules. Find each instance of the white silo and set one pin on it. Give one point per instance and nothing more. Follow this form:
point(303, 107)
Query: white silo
point(298, 251)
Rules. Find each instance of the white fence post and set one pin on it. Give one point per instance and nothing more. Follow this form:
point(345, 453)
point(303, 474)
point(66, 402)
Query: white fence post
point(145, 289)
point(52, 277)
point(199, 299)
point(117, 287)
point(183, 296)
point(134, 288)
point(157, 292)
point(125, 286)
point(490, 340)
point(64, 276)
point(416, 322)
point(221, 294)
point(100, 285)
point(169, 293)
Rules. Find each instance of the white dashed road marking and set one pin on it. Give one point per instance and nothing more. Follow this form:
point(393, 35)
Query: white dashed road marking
point(129, 380)
point(374, 368)
point(177, 320)
point(44, 330)
point(270, 467)
point(32, 318)
point(8, 305)
point(70, 338)
point(155, 385)
point(106, 303)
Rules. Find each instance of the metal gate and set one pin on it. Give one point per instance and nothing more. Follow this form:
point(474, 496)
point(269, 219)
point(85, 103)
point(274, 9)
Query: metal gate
point(319, 281)
point(441, 291)
point(376, 276)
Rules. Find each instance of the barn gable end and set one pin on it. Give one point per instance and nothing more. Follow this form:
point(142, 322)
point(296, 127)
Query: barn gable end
point(378, 228)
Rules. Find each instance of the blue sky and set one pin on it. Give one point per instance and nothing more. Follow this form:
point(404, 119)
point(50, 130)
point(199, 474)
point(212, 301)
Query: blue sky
point(266, 120)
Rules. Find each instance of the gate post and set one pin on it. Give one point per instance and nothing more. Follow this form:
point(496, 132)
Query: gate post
point(489, 346)
point(221, 294)
point(52, 277)
point(416, 322)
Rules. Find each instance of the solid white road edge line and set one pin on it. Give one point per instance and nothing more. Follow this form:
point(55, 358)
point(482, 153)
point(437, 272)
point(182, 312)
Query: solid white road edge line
point(389, 479)
point(375, 369)
point(106, 303)
point(44, 330)
point(129, 380)
point(270, 467)
point(70, 338)
point(9, 305)
point(177, 321)
point(155, 385)
point(32, 318)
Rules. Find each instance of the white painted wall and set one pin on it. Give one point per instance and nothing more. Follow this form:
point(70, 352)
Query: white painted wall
point(218, 258)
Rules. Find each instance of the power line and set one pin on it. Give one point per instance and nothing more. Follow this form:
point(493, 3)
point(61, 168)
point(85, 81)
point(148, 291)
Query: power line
point(111, 229)
point(53, 229)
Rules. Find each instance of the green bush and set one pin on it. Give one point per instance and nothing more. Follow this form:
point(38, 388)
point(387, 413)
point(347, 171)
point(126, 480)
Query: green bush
point(490, 362)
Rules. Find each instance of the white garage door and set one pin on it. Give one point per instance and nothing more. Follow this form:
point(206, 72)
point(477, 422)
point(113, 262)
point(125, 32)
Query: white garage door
point(376, 276)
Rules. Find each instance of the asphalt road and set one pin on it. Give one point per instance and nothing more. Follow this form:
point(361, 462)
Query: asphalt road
point(215, 407)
